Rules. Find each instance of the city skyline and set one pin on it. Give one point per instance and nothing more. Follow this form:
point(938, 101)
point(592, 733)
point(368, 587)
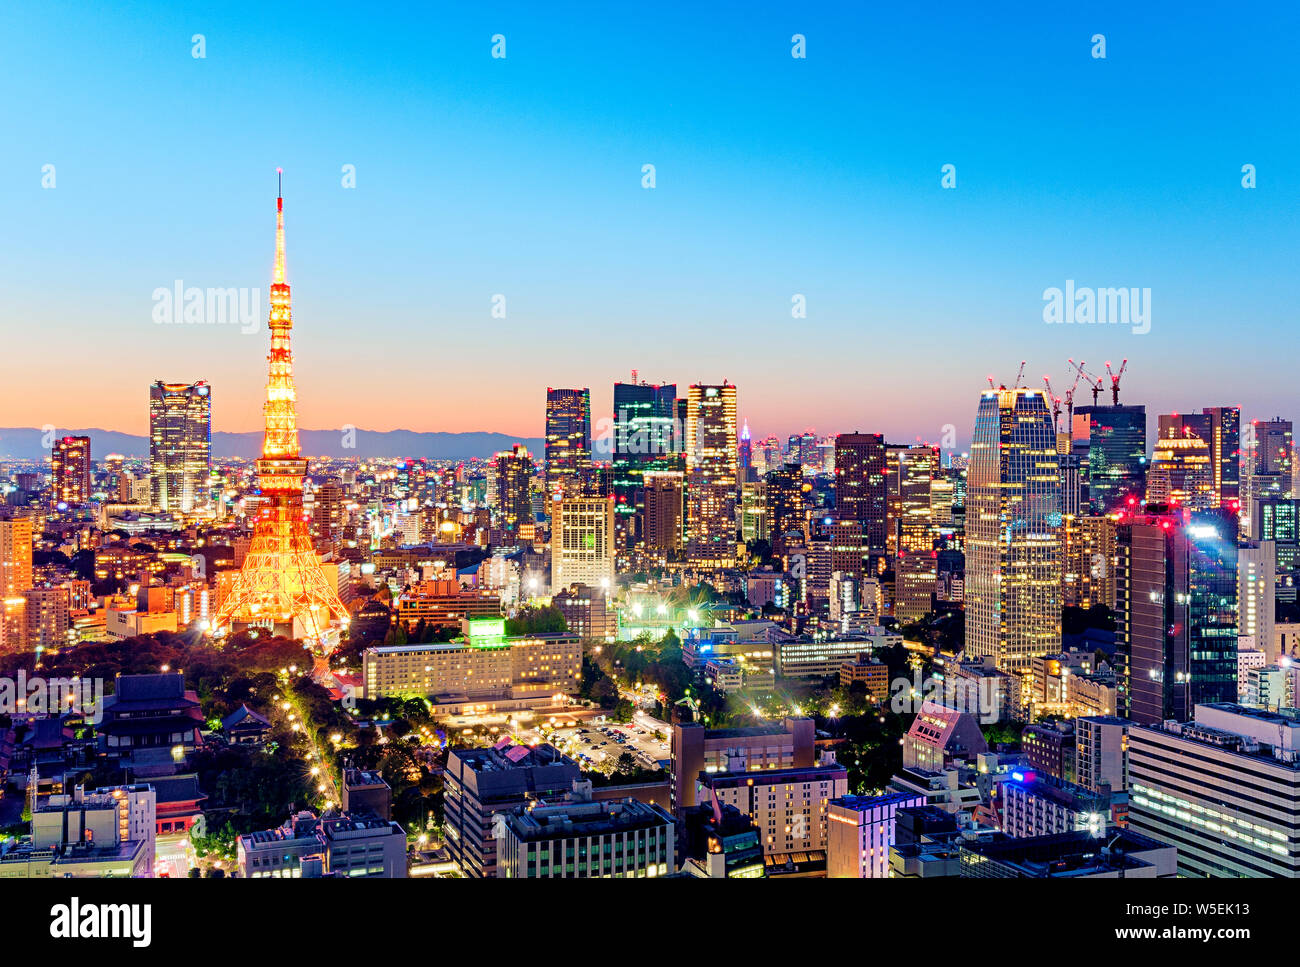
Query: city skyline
point(815, 195)
point(759, 443)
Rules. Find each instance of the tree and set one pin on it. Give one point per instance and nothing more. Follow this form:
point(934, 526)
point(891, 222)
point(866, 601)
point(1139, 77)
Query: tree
point(537, 621)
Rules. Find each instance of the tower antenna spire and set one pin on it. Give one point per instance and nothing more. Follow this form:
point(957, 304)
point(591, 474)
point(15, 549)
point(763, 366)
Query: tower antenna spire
point(278, 276)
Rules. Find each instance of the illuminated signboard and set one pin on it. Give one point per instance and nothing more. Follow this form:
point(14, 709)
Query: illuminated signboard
point(484, 632)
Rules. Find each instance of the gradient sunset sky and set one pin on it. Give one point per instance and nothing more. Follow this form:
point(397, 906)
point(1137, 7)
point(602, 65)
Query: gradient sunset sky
point(775, 176)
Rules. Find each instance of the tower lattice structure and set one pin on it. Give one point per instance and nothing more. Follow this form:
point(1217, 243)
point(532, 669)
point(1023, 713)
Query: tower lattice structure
point(281, 584)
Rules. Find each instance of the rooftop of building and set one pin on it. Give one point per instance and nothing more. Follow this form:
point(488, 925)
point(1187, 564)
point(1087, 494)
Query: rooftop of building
point(576, 817)
point(1066, 854)
point(861, 803)
point(1102, 720)
point(363, 777)
point(336, 827)
point(722, 780)
point(753, 731)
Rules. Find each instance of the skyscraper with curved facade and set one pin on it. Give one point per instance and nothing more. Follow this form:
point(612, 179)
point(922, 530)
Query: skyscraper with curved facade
point(1013, 528)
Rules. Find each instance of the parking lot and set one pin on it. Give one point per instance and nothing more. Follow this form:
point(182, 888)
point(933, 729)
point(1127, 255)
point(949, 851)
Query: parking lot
point(594, 742)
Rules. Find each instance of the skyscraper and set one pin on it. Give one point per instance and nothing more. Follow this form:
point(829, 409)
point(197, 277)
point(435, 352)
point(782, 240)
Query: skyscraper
point(1220, 428)
point(1267, 464)
point(15, 581)
point(1256, 593)
point(1225, 450)
point(1116, 440)
point(860, 484)
point(665, 515)
point(646, 436)
point(582, 542)
point(785, 503)
point(1175, 613)
point(282, 585)
point(568, 439)
point(180, 445)
point(512, 470)
point(70, 470)
point(1181, 473)
point(916, 568)
point(711, 475)
point(746, 453)
point(1013, 521)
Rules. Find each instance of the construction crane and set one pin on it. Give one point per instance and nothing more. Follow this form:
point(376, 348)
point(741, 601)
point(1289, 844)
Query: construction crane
point(1114, 379)
point(1056, 405)
point(1069, 405)
point(1095, 383)
point(1020, 375)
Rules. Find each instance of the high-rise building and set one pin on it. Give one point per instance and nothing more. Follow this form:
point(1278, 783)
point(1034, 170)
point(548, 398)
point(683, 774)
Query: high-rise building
point(1224, 789)
point(860, 485)
point(582, 542)
point(788, 805)
point(663, 535)
point(1101, 752)
point(568, 439)
point(1088, 546)
point(1256, 592)
point(711, 475)
point(1220, 428)
point(1267, 465)
point(1181, 474)
point(915, 571)
point(480, 783)
point(646, 436)
point(15, 580)
point(281, 584)
point(575, 836)
point(785, 503)
point(329, 511)
point(745, 452)
point(861, 833)
point(791, 743)
point(70, 470)
point(1013, 523)
point(753, 511)
point(180, 445)
point(1175, 613)
point(512, 471)
point(47, 617)
point(1115, 438)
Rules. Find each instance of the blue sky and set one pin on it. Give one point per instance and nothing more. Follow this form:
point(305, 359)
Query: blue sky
point(522, 176)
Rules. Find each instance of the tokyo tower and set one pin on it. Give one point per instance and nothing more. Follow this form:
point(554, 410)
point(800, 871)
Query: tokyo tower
point(281, 585)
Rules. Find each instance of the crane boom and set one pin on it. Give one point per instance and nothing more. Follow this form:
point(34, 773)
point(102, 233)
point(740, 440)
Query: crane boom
point(1114, 379)
point(1056, 405)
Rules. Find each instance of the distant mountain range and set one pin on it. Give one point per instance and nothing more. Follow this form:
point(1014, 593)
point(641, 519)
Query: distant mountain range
point(25, 443)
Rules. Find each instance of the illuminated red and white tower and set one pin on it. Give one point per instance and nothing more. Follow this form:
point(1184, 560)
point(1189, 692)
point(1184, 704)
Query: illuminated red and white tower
point(281, 585)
